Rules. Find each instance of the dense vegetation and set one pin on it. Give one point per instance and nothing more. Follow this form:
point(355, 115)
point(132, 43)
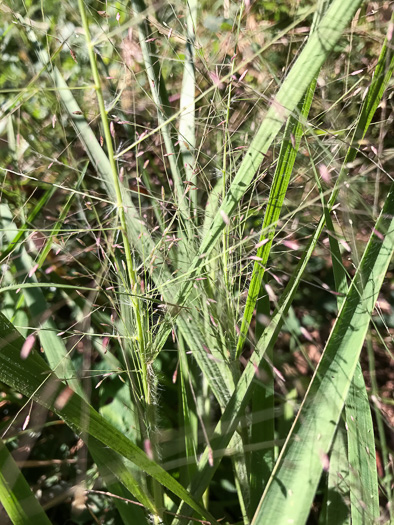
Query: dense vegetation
point(197, 231)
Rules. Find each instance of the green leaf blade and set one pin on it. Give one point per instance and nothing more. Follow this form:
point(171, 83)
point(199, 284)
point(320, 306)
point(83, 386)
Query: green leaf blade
point(293, 484)
point(16, 496)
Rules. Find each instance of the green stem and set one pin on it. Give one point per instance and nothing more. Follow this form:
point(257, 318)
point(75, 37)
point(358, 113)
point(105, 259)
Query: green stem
point(114, 170)
point(122, 216)
point(224, 164)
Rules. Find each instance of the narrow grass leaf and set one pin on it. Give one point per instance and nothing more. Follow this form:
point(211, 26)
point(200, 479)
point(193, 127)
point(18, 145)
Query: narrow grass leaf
point(363, 476)
point(381, 77)
point(118, 475)
point(187, 126)
point(293, 483)
point(335, 507)
point(129, 512)
point(262, 460)
point(16, 496)
point(284, 168)
point(29, 220)
point(361, 472)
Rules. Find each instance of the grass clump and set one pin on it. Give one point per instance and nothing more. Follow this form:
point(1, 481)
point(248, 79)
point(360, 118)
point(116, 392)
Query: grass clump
point(196, 238)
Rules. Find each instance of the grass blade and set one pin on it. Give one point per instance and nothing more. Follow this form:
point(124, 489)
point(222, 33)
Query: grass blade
point(16, 497)
point(313, 431)
point(362, 471)
point(37, 208)
point(336, 503)
point(287, 156)
point(262, 461)
point(187, 125)
point(363, 476)
point(381, 77)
